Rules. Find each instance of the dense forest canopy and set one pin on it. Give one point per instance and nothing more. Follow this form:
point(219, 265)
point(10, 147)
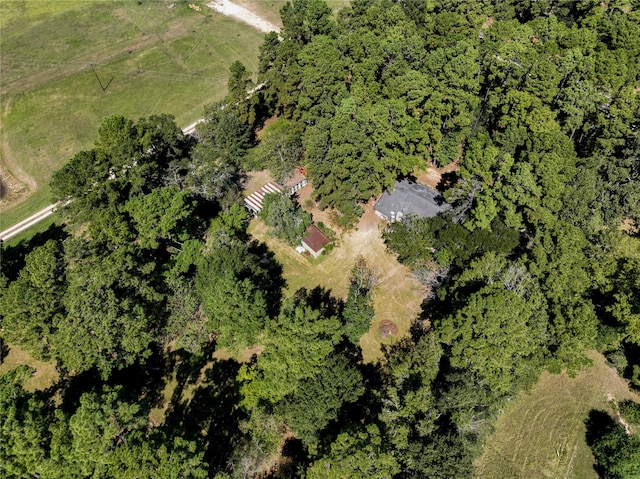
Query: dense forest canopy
point(536, 262)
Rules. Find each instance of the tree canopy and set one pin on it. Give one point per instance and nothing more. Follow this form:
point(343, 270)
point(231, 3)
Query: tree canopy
point(182, 352)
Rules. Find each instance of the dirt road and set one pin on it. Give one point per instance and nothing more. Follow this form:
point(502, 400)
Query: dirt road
point(243, 14)
point(30, 221)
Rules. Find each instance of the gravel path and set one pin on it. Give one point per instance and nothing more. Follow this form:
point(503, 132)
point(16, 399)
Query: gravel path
point(24, 224)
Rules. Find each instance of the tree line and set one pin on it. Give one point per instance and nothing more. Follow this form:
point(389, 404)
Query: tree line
point(536, 263)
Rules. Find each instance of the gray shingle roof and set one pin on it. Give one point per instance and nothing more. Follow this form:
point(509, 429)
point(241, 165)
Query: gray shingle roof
point(410, 198)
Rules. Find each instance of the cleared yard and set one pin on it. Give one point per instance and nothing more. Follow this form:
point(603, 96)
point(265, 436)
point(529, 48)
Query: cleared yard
point(542, 433)
point(397, 296)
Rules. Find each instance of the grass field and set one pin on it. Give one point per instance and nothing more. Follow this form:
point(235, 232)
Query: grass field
point(155, 57)
point(397, 296)
point(542, 433)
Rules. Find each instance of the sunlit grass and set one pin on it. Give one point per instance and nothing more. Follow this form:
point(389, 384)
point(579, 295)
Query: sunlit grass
point(155, 58)
point(45, 374)
point(542, 433)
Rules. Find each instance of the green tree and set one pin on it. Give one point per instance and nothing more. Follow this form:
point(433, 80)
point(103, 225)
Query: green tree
point(24, 428)
point(495, 338)
point(224, 138)
point(230, 283)
point(239, 82)
point(317, 401)
point(31, 303)
point(160, 215)
point(616, 452)
point(280, 149)
point(296, 345)
point(360, 453)
point(358, 309)
point(110, 309)
point(283, 215)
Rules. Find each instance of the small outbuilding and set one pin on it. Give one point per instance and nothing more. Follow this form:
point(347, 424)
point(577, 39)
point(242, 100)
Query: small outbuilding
point(314, 241)
point(298, 180)
point(409, 198)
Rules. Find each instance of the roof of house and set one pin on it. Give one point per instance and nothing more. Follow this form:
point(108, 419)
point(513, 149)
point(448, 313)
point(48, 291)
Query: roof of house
point(296, 178)
point(315, 239)
point(254, 200)
point(410, 198)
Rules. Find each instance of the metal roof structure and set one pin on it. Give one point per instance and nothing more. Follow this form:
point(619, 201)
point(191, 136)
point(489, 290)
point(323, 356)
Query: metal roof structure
point(315, 239)
point(410, 198)
point(254, 200)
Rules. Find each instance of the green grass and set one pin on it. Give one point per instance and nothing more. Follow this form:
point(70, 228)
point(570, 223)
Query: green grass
point(541, 434)
point(27, 234)
point(160, 59)
point(38, 200)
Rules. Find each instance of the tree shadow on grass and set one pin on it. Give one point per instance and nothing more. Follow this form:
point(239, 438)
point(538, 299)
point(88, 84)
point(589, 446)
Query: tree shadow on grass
point(142, 383)
point(599, 424)
point(211, 412)
point(273, 282)
point(12, 258)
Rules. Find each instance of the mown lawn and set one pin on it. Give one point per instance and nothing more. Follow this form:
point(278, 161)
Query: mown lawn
point(155, 57)
point(542, 433)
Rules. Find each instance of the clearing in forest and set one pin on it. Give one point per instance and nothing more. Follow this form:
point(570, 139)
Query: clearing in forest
point(397, 297)
point(542, 433)
point(45, 374)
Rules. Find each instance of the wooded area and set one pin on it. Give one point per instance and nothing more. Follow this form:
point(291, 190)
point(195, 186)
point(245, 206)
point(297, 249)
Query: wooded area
point(536, 262)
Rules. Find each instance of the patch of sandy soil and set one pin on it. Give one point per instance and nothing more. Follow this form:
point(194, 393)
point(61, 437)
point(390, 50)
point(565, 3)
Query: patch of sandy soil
point(243, 14)
point(433, 175)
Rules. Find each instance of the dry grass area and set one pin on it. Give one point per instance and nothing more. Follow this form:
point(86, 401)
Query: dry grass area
point(45, 372)
point(542, 433)
point(398, 295)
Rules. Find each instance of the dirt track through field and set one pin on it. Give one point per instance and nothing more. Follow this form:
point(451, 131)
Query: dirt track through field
point(243, 14)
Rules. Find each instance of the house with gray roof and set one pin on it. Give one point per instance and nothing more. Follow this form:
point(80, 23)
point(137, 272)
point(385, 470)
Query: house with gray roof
point(409, 198)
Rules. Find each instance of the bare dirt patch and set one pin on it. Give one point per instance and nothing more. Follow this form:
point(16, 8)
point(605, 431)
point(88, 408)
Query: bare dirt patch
point(243, 14)
point(387, 329)
point(433, 176)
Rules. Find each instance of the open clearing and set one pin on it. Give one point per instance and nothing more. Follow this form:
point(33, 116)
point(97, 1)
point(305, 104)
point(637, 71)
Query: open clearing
point(398, 295)
point(67, 65)
point(542, 433)
point(45, 374)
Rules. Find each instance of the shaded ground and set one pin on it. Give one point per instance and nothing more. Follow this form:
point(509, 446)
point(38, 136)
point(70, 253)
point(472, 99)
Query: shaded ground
point(542, 433)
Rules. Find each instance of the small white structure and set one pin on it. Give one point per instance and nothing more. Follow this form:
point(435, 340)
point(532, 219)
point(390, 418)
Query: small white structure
point(297, 181)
